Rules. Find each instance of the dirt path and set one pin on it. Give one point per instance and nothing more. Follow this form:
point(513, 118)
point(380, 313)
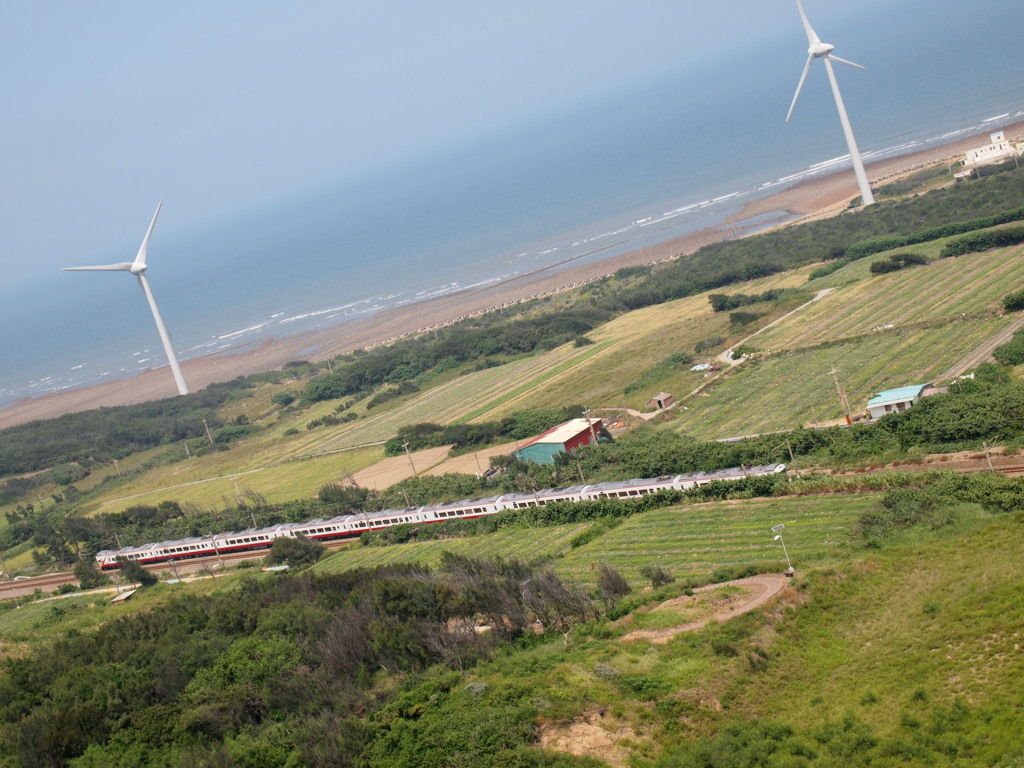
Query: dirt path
point(762, 588)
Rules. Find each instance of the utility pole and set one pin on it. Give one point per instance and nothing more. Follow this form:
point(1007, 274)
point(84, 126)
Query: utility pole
point(842, 397)
point(409, 456)
point(208, 435)
point(213, 540)
point(988, 456)
point(188, 453)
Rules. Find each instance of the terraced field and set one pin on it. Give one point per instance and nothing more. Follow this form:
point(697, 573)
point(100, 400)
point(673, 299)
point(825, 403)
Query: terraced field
point(693, 539)
point(942, 290)
point(698, 539)
point(796, 387)
point(642, 339)
point(506, 543)
point(458, 400)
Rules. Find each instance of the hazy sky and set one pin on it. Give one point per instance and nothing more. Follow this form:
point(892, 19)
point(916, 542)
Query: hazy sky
point(222, 107)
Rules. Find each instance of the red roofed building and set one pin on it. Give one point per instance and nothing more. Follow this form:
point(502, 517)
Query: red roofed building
point(565, 438)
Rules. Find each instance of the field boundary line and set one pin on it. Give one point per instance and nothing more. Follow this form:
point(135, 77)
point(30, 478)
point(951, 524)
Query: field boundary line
point(982, 352)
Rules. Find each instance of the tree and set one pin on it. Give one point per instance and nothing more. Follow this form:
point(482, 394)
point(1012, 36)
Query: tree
point(610, 584)
point(131, 571)
point(297, 551)
point(88, 575)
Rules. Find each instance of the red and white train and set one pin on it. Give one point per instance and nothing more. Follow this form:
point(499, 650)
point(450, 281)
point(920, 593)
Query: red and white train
point(352, 526)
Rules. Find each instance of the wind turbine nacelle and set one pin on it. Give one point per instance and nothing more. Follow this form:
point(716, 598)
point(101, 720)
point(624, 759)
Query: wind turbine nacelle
point(137, 269)
point(819, 50)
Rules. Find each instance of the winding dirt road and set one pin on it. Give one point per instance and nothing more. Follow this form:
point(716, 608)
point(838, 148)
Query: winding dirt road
point(762, 589)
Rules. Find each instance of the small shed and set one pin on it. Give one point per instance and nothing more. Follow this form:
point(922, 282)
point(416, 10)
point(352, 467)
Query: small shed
point(661, 401)
point(565, 438)
point(897, 400)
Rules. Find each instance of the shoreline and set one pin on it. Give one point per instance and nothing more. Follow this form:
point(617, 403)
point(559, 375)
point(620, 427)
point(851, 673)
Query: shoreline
point(805, 201)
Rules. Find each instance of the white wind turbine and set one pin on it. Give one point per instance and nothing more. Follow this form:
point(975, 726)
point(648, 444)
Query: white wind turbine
point(820, 50)
point(138, 268)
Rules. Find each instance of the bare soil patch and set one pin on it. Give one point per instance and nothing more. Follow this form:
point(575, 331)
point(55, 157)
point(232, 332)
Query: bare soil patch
point(594, 734)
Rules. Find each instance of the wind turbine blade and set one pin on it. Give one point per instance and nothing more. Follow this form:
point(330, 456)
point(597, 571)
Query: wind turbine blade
point(800, 85)
point(140, 258)
point(847, 63)
point(812, 36)
point(123, 266)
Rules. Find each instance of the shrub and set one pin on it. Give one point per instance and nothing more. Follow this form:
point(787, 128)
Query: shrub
point(610, 583)
point(659, 576)
point(283, 399)
point(1013, 302)
point(709, 343)
point(742, 318)
point(897, 262)
point(297, 551)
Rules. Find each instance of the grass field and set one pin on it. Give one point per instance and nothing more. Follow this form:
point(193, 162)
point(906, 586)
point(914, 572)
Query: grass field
point(688, 540)
point(940, 291)
point(507, 543)
point(929, 621)
point(786, 390)
point(642, 339)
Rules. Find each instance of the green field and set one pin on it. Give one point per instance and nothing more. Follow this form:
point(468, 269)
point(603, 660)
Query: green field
point(941, 291)
point(507, 543)
point(691, 540)
point(794, 388)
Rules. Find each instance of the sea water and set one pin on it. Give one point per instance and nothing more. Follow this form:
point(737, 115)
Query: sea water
point(643, 166)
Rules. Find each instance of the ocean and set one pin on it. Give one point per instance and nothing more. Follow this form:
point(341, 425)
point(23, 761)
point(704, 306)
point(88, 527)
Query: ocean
point(641, 167)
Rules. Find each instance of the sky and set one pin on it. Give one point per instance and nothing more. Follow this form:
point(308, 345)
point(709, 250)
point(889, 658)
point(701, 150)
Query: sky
point(228, 107)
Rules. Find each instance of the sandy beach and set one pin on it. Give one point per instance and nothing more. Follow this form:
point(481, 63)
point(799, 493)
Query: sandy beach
point(810, 199)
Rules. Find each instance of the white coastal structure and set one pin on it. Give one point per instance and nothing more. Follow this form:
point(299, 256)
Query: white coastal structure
point(998, 148)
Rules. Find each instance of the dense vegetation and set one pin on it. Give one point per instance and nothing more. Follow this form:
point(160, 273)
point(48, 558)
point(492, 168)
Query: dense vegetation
point(722, 302)
point(982, 241)
point(104, 434)
point(274, 672)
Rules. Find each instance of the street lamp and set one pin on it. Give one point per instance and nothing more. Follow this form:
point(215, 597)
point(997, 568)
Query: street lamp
point(778, 537)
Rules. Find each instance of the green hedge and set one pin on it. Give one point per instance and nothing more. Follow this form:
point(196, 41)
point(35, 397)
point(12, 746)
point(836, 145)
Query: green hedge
point(983, 241)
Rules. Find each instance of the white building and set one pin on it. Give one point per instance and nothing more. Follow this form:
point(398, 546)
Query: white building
point(998, 149)
point(899, 400)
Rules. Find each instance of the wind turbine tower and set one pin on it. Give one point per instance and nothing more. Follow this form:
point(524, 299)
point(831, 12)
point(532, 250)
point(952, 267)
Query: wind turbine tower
point(819, 50)
point(138, 268)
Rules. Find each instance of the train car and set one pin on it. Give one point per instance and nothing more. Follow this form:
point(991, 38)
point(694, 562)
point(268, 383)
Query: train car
point(351, 526)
